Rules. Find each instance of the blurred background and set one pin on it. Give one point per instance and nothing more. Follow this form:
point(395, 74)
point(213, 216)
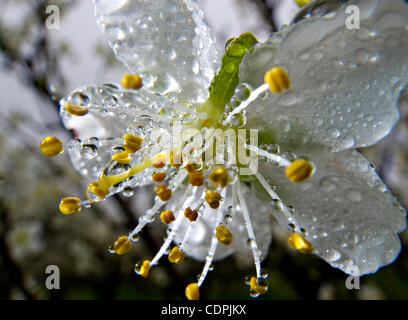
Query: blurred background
point(39, 66)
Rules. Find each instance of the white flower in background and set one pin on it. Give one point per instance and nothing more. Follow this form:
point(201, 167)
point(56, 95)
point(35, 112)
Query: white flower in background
point(25, 240)
point(315, 92)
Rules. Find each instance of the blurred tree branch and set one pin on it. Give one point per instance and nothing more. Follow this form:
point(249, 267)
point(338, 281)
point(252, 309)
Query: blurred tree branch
point(39, 70)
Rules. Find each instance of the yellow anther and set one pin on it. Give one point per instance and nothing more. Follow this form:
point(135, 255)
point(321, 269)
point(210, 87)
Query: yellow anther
point(259, 286)
point(193, 291)
point(298, 242)
point(145, 269)
point(278, 80)
point(70, 205)
point(51, 146)
point(159, 161)
point(176, 159)
point(132, 81)
point(300, 170)
point(196, 178)
point(219, 176)
point(191, 215)
point(132, 143)
point(159, 176)
point(223, 235)
point(302, 3)
point(213, 199)
point(176, 255)
point(122, 245)
point(122, 157)
point(167, 217)
point(163, 193)
point(94, 193)
point(76, 110)
point(190, 167)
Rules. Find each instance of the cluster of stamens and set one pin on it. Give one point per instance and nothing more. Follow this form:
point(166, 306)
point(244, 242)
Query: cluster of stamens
point(211, 180)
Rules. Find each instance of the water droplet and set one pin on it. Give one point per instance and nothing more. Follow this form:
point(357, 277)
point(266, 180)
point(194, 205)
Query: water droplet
point(333, 132)
point(227, 219)
point(276, 204)
point(109, 102)
point(89, 151)
point(253, 294)
point(242, 92)
point(230, 68)
point(135, 237)
point(354, 195)
point(333, 255)
point(328, 184)
point(79, 99)
point(127, 192)
point(251, 243)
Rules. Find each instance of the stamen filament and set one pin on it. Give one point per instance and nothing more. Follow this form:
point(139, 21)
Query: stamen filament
point(174, 184)
point(273, 157)
point(251, 233)
point(169, 238)
point(274, 196)
point(190, 228)
point(254, 94)
point(213, 247)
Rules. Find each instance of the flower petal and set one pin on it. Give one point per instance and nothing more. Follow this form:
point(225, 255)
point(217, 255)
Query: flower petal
point(345, 83)
point(349, 215)
point(167, 42)
point(110, 113)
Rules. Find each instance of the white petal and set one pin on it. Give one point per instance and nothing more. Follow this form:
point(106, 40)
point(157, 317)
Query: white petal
point(112, 112)
point(345, 83)
point(166, 41)
point(349, 215)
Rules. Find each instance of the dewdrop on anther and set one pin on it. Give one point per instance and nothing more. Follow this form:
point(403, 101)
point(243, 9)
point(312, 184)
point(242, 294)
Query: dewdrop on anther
point(51, 146)
point(219, 176)
point(163, 192)
point(191, 215)
point(94, 193)
point(132, 81)
point(278, 80)
point(176, 255)
point(122, 157)
point(213, 199)
point(144, 269)
point(167, 217)
point(132, 143)
point(298, 242)
point(223, 235)
point(122, 245)
point(159, 161)
point(70, 205)
point(196, 178)
point(158, 177)
point(300, 170)
point(258, 286)
point(193, 291)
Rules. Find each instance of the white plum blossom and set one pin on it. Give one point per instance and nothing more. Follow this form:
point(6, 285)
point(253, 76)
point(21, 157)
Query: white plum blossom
point(314, 92)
